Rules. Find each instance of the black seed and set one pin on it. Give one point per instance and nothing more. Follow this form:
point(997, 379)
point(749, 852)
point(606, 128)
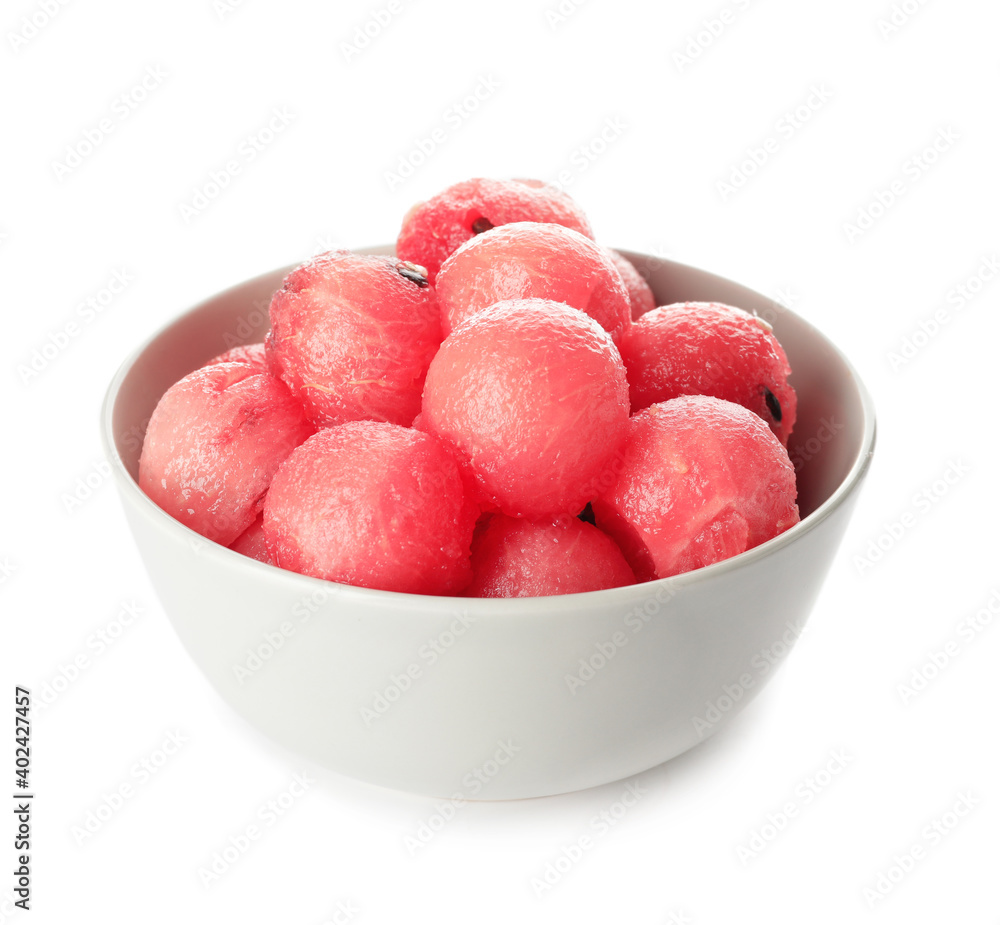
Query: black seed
point(587, 515)
point(413, 273)
point(773, 405)
point(480, 225)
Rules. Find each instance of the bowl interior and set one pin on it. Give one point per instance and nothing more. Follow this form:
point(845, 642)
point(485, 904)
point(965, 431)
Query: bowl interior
point(835, 423)
point(830, 432)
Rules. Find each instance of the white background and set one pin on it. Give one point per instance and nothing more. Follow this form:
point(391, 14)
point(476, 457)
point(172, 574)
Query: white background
point(674, 129)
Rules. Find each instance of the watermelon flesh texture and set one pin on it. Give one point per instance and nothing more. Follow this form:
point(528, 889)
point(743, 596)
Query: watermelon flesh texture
point(525, 260)
point(532, 393)
point(433, 230)
point(707, 348)
point(251, 543)
point(214, 441)
point(514, 557)
point(640, 296)
point(701, 479)
point(375, 505)
point(491, 366)
point(352, 336)
point(253, 355)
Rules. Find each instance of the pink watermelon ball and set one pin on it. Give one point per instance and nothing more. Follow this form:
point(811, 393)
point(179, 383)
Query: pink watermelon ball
point(374, 505)
point(525, 260)
point(706, 348)
point(213, 443)
point(253, 355)
point(435, 229)
point(251, 541)
point(702, 479)
point(513, 557)
point(640, 296)
point(352, 336)
point(533, 394)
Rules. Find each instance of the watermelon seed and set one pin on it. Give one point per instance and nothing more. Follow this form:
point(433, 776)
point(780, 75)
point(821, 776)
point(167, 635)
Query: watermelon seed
point(773, 405)
point(481, 224)
point(413, 273)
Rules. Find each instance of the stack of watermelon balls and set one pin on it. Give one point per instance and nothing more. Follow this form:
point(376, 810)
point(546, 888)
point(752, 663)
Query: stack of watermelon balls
point(501, 410)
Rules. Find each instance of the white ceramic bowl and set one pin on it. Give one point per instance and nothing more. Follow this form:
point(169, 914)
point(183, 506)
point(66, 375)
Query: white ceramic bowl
point(494, 699)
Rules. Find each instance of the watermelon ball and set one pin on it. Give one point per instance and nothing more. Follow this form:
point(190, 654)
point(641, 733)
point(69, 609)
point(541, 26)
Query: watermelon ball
point(525, 260)
point(251, 541)
point(533, 394)
point(352, 335)
point(373, 504)
point(513, 557)
point(253, 355)
point(213, 443)
point(701, 479)
point(435, 229)
point(706, 348)
point(640, 296)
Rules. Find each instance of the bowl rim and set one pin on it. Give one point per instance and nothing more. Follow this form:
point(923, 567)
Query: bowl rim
point(528, 605)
